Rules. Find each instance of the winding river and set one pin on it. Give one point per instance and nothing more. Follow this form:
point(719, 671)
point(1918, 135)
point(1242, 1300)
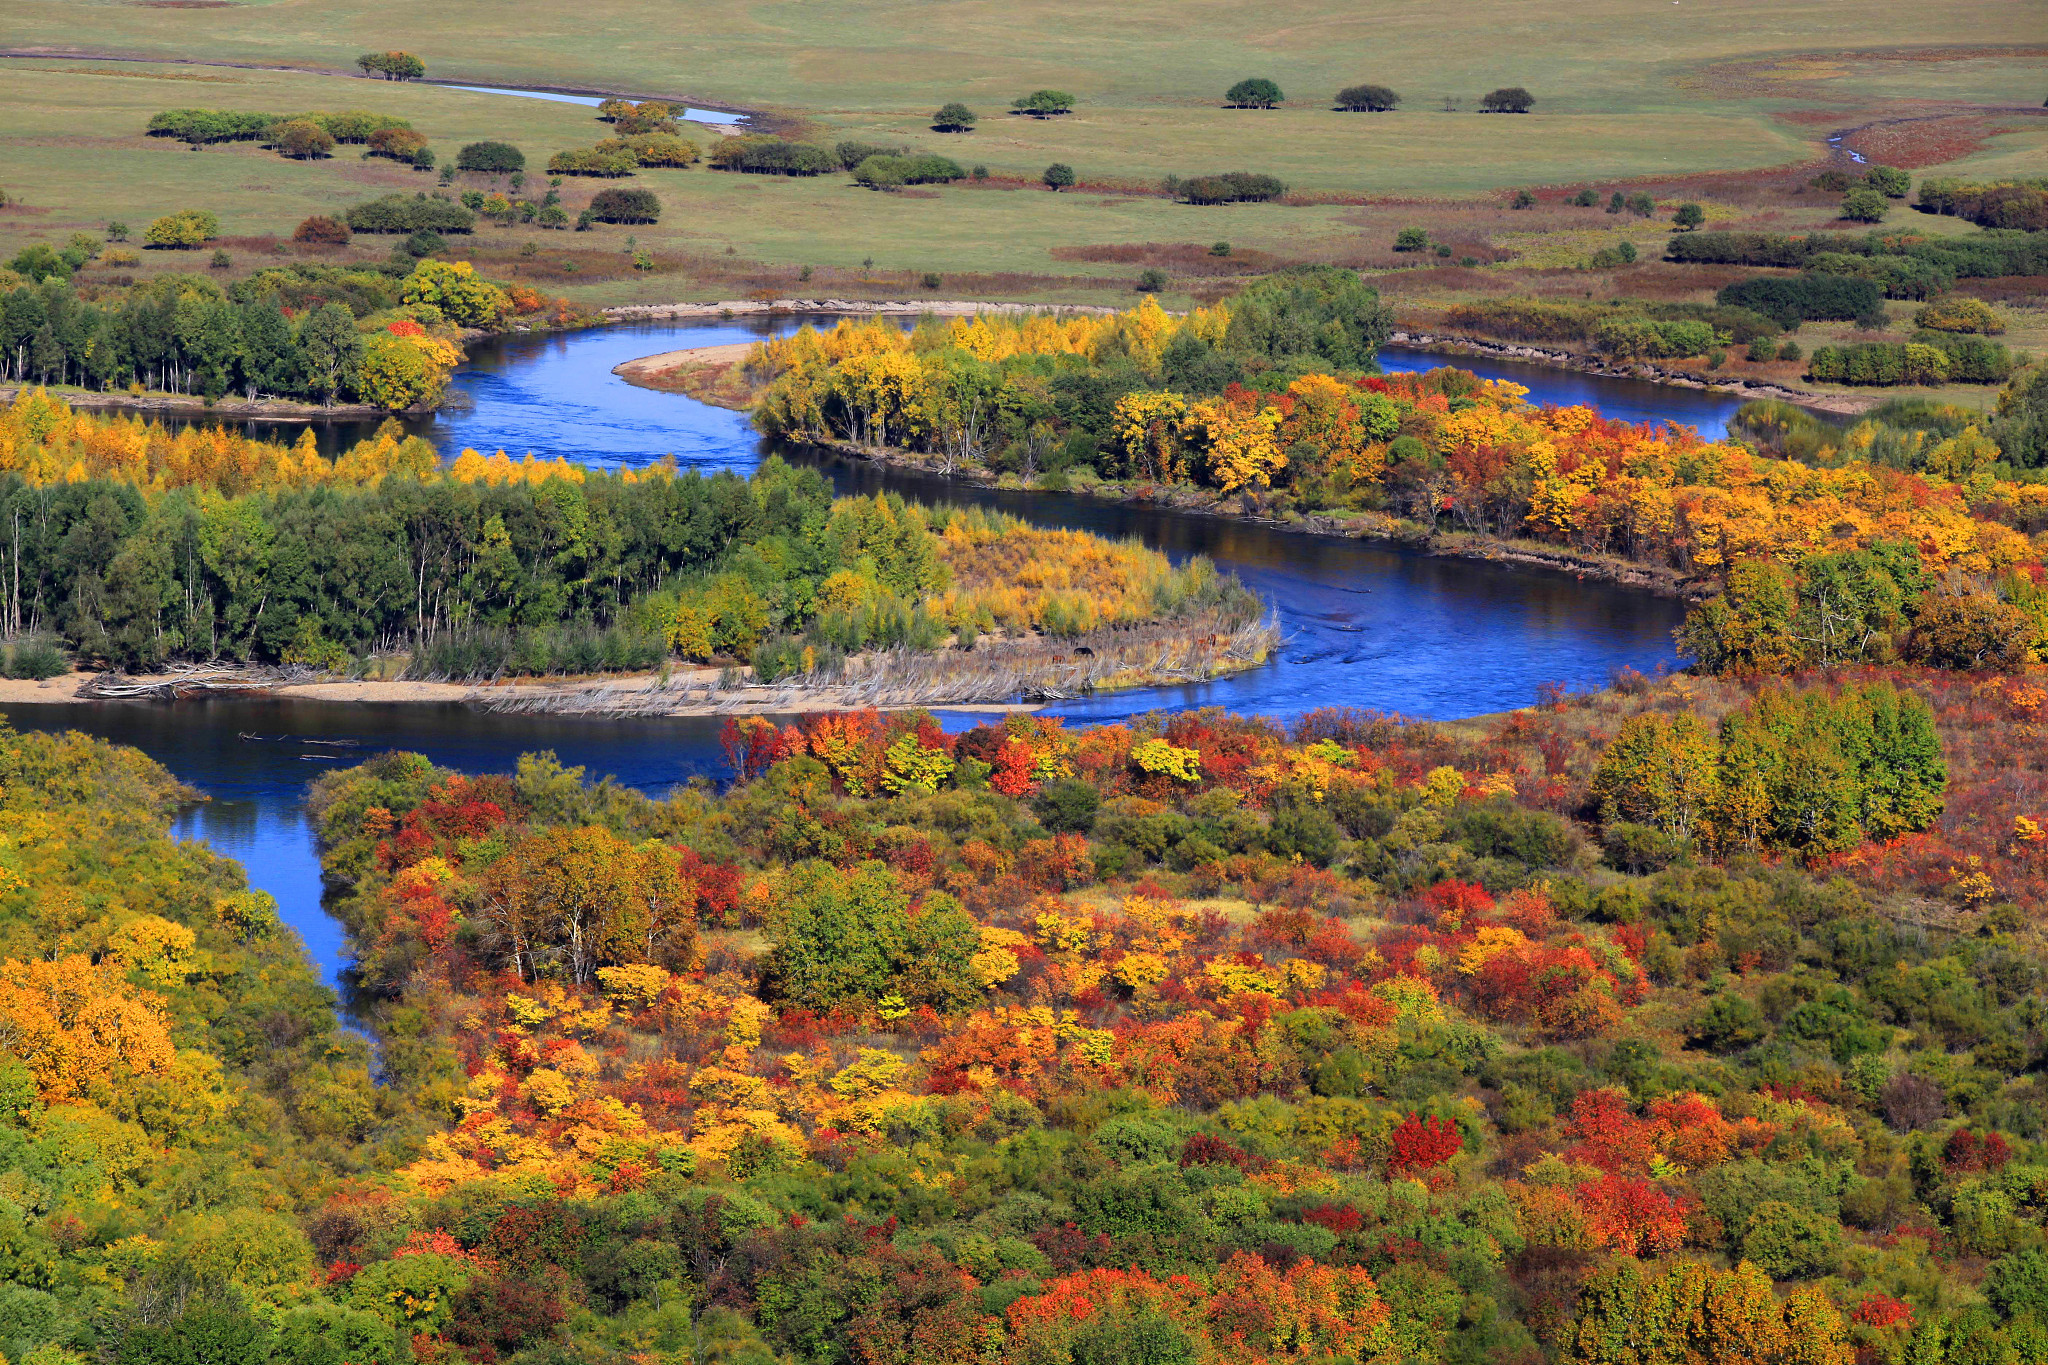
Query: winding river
point(1366, 625)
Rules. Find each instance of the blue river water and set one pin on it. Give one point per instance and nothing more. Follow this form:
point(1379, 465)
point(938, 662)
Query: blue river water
point(1365, 624)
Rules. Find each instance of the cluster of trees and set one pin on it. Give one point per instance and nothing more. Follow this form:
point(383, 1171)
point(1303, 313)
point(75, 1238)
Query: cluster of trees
point(1261, 93)
point(1941, 261)
point(490, 158)
point(1792, 299)
point(138, 546)
point(392, 66)
point(410, 213)
point(1810, 771)
point(1531, 319)
point(299, 136)
point(766, 154)
point(1874, 605)
point(2016, 204)
point(1371, 99)
point(928, 1046)
point(1227, 187)
point(1043, 104)
point(1148, 398)
point(633, 120)
point(1933, 357)
point(1442, 1133)
point(306, 332)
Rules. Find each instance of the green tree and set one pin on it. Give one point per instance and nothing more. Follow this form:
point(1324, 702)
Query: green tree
point(1411, 239)
point(1508, 99)
point(1747, 628)
point(490, 157)
point(1044, 103)
point(302, 139)
point(1254, 93)
point(1688, 216)
point(1660, 771)
point(1889, 181)
point(955, 117)
point(1864, 206)
point(1058, 176)
point(332, 349)
point(853, 936)
point(1376, 99)
point(1789, 1243)
point(183, 230)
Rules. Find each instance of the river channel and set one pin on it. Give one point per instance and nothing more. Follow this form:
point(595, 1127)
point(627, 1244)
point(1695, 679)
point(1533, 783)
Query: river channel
point(1366, 625)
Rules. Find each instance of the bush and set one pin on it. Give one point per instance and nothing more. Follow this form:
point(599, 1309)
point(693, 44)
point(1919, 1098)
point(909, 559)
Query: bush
point(1153, 280)
point(1969, 631)
point(302, 140)
point(1863, 206)
point(1790, 350)
point(1971, 359)
point(1608, 257)
point(1508, 99)
point(1687, 217)
point(320, 230)
point(1522, 200)
point(1804, 298)
point(1058, 176)
point(1586, 198)
point(1832, 181)
point(1889, 181)
point(1411, 239)
point(35, 659)
point(625, 206)
point(183, 230)
point(1789, 1243)
point(404, 213)
point(1231, 187)
point(490, 157)
point(1255, 93)
point(1372, 99)
point(1641, 205)
point(1960, 313)
point(955, 117)
point(1762, 349)
point(1527, 319)
point(1044, 103)
point(2021, 204)
point(425, 242)
point(883, 172)
point(357, 125)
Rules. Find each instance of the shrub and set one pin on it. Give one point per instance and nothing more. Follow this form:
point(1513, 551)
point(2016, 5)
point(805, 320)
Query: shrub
point(1761, 349)
point(1863, 206)
point(1790, 350)
point(1832, 181)
point(425, 242)
point(183, 230)
point(1508, 99)
point(1527, 319)
point(955, 117)
point(1960, 313)
point(1255, 93)
point(1889, 181)
point(320, 230)
point(625, 206)
point(1152, 281)
point(490, 157)
point(1522, 200)
point(1971, 359)
point(1586, 198)
point(1411, 239)
point(410, 213)
point(35, 659)
point(883, 172)
point(1687, 217)
point(1608, 257)
point(1789, 1243)
point(1044, 103)
point(1372, 99)
point(1231, 187)
point(1058, 176)
point(2021, 204)
point(302, 139)
point(1641, 205)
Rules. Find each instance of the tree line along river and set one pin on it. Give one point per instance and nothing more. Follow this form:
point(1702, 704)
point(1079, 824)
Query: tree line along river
point(1366, 624)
